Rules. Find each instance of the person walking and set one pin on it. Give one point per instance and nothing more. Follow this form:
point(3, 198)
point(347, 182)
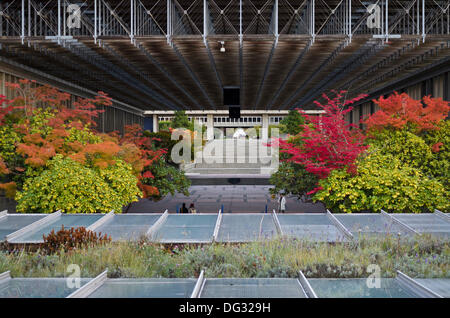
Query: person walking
point(192, 209)
point(282, 202)
point(184, 209)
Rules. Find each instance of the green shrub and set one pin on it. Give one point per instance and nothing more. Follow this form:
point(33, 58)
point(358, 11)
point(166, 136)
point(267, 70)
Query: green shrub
point(292, 123)
point(406, 146)
point(282, 180)
point(181, 120)
point(71, 187)
point(164, 125)
point(439, 142)
point(383, 182)
point(167, 179)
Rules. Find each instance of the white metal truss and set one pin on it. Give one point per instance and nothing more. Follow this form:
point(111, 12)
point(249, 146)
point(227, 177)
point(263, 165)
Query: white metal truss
point(145, 18)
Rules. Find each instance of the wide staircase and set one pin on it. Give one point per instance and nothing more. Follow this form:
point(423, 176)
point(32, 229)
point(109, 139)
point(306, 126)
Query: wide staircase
point(238, 161)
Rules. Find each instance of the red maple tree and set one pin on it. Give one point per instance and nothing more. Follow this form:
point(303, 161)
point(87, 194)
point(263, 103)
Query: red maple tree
point(328, 142)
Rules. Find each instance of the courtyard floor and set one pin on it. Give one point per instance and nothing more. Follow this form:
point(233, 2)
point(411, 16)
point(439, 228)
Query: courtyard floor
point(233, 198)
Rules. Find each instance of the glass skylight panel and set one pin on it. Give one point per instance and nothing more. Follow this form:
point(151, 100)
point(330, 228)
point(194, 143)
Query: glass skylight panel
point(179, 228)
point(14, 222)
point(124, 227)
point(312, 227)
point(426, 223)
point(68, 220)
point(146, 288)
point(246, 227)
point(370, 224)
point(38, 287)
point(440, 286)
point(358, 288)
point(252, 288)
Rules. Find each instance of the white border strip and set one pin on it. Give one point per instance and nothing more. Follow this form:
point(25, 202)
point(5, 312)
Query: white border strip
point(416, 287)
point(277, 222)
point(4, 277)
point(217, 227)
point(151, 231)
point(339, 225)
point(310, 293)
point(405, 226)
point(442, 215)
point(33, 225)
point(3, 213)
point(199, 285)
point(90, 287)
point(101, 221)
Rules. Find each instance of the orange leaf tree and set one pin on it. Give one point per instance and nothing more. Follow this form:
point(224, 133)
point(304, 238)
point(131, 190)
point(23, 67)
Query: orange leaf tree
point(401, 111)
point(36, 125)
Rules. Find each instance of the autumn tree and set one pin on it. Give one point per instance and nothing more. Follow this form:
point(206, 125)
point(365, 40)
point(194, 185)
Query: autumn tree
point(328, 143)
point(400, 111)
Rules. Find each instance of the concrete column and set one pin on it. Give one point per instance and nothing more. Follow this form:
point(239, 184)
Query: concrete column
point(210, 127)
point(155, 123)
point(265, 127)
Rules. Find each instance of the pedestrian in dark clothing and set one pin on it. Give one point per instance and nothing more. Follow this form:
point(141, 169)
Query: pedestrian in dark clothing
point(184, 208)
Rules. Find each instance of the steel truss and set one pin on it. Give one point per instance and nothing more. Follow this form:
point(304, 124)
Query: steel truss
point(101, 34)
point(171, 18)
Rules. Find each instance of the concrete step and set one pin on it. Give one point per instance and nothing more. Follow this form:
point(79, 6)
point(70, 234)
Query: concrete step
point(223, 171)
point(230, 165)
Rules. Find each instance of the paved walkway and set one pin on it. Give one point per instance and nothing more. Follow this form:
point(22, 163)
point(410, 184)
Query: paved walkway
point(233, 198)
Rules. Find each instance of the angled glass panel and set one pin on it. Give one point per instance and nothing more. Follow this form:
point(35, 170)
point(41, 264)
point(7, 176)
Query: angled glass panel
point(179, 228)
point(246, 227)
point(125, 227)
point(38, 288)
point(14, 222)
point(68, 220)
point(146, 288)
point(357, 288)
point(312, 227)
point(252, 288)
point(369, 224)
point(426, 223)
point(438, 285)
